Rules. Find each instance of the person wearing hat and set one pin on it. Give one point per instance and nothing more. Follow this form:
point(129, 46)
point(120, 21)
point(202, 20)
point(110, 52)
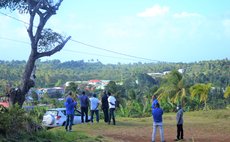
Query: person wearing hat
point(179, 119)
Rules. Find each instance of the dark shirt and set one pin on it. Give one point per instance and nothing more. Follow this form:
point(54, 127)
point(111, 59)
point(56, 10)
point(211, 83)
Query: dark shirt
point(104, 101)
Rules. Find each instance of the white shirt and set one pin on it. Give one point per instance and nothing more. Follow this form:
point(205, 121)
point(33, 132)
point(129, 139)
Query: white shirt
point(112, 100)
point(94, 102)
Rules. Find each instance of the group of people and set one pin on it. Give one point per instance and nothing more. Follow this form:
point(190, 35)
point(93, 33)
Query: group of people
point(157, 113)
point(108, 105)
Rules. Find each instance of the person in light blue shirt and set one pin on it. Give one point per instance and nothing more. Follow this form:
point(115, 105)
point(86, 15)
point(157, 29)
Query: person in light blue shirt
point(70, 104)
point(94, 103)
point(157, 113)
point(180, 121)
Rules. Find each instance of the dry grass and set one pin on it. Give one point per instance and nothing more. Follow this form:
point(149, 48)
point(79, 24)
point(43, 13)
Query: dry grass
point(209, 126)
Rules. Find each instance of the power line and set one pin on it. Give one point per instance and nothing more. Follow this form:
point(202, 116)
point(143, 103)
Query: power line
point(71, 51)
point(111, 51)
point(96, 47)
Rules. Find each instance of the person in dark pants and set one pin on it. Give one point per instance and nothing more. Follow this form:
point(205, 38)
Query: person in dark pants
point(105, 106)
point(179, 119)
point(84, 102)
point(112, 106)
point(94, 103)
point(70, 105)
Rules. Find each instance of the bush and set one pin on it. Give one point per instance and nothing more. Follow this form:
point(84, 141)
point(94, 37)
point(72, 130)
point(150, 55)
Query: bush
point(14, 122)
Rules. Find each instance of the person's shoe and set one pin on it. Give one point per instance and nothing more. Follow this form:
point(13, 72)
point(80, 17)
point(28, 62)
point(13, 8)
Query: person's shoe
point(176, 139)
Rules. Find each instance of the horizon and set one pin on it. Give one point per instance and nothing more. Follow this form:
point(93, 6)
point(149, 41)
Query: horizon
point(129, 32)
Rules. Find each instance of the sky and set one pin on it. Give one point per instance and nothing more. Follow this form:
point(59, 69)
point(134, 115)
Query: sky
point(128, 31)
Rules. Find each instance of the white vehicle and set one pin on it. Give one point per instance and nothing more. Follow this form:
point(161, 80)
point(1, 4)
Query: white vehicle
point(57, 117)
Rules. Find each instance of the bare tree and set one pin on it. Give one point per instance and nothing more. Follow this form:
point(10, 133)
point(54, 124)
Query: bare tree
point(44, 42)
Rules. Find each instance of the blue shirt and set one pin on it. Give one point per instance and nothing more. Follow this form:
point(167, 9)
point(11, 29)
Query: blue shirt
point(84, 100)
point(155, 101)
point(70, 104)
point(157, 115)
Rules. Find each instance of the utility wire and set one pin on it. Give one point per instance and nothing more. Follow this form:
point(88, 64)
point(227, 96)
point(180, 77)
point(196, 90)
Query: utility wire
point(70, 51)
point(96, 47)
point(112, 51)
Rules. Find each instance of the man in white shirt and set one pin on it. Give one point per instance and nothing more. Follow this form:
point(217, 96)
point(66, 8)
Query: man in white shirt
point(112, 106)
point(94, 103)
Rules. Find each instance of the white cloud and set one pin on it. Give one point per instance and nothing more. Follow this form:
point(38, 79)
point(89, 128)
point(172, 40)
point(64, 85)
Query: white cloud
point(185, 15)
point(156, 10)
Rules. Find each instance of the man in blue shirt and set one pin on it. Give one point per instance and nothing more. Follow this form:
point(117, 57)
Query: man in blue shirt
point(84, 102)
point(70, 105)
point(154, 101)
point(157, 113)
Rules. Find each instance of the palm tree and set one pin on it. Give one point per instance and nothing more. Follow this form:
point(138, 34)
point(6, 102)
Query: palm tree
point(227, 92)
point(172, 88)
point(202, 91)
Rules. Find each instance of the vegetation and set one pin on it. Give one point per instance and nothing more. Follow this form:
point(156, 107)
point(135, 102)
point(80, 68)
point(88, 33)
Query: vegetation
point(44, 42)
point(131, 84)
point(199, 126)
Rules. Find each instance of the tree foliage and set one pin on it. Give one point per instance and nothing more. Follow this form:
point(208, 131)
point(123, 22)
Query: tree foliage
point(44, 42)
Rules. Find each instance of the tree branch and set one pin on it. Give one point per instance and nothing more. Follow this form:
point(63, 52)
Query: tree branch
point(51, 52)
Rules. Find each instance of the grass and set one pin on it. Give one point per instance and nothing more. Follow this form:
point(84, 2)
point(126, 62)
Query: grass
point(200, 126)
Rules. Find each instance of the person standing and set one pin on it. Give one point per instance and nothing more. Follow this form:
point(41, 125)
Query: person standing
point(70, 104)
point(179, 119)
point(84, 102)
point(157, 113)
point(94, 103)
point(112, 106)
point(105, 107)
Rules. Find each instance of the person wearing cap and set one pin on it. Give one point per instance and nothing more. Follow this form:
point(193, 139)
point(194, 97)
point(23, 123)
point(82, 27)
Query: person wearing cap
point(180, 121)
point(70, 104)
point(157, 113)
point(94, 103)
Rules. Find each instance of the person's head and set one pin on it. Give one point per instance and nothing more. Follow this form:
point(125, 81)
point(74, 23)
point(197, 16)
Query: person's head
point(94, 95)
point(157, 105)
point(154, 97)
point(70, 93)
point(109, 94)
point(83, 92)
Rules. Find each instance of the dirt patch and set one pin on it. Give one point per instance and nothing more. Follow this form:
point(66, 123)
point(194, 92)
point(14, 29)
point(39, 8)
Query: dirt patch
point(140, 130)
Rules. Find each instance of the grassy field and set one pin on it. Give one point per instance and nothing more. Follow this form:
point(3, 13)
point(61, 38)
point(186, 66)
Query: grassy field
point(202, 126)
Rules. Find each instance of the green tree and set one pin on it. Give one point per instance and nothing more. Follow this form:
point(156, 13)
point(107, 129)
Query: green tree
point(202, 91)
point(172, 89)
point(44, 42)
point(227, 92)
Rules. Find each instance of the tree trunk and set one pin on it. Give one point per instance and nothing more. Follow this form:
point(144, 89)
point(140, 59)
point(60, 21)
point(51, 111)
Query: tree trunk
point(17, 95)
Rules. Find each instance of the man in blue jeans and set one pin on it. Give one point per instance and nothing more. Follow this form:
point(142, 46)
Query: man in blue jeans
point(157, 113)
point(70, 105)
